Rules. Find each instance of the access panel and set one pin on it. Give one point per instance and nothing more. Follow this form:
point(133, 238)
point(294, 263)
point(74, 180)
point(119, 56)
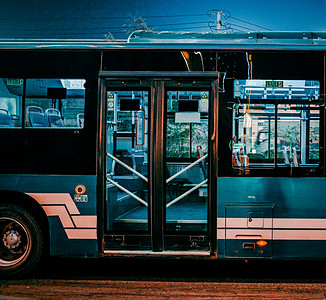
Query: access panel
point(248, 230)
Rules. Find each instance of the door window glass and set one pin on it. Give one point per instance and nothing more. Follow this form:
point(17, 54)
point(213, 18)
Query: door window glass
point(127, 160)
point(186, 161)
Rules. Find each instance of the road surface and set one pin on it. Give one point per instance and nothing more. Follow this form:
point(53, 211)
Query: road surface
point(169, 279)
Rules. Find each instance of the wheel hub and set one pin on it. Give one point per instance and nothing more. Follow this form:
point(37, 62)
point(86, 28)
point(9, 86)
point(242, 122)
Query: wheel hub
point(11, 239)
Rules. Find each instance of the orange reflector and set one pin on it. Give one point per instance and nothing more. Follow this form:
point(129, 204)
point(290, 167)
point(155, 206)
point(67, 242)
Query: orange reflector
point(80, 189)
point(261, 243)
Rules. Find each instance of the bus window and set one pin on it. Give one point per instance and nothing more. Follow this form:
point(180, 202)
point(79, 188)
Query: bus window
point(253, 142)
point(297, 135)
point(187, 124)
point(11, 91)
point(55, 103)
point(253, 135)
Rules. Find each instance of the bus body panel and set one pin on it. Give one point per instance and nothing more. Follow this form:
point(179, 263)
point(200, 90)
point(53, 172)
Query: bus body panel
point(72, 217)
point(274, 210)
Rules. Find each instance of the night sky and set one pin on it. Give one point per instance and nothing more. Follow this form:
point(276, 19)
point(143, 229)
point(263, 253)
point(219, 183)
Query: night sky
point(94, 19)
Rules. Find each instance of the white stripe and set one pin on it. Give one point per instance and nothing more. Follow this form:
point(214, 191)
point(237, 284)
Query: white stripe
point(273, 229)
point(254, 234)
point(299, 223)
point(276, 223)
point(299, 235)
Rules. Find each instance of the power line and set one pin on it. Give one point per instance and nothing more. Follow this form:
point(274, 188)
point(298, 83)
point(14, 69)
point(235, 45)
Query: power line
point(123, 27)
point(250, 23)
point(102, 18)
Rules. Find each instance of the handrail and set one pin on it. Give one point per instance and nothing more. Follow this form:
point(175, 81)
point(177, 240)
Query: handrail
point(127, 167)
point(186, 168)
point(187, 193)
point(126, 191)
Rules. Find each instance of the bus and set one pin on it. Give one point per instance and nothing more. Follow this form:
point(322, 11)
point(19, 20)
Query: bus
point(176, 145)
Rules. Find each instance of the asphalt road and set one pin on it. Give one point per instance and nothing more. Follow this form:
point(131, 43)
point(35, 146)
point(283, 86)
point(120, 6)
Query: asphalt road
point(169, 279)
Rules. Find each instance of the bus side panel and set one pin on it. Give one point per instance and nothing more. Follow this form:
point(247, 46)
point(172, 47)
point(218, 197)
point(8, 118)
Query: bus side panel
point(287, 213)
point(72, 217)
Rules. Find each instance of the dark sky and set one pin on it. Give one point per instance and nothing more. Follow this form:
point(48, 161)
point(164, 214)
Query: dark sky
point(93, 19)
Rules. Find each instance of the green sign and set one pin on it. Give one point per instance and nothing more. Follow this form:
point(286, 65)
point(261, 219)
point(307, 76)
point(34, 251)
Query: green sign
point(274, 84)
point(15, 81)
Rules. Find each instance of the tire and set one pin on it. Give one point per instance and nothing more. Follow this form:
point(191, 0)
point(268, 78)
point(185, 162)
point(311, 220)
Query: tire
point(21, 241)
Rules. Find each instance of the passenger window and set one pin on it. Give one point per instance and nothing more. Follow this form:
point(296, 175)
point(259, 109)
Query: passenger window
point(253, 135)
point(55, 103)
point(284, 132)
point(11, 91)
point(253, 142)
point(298, 135)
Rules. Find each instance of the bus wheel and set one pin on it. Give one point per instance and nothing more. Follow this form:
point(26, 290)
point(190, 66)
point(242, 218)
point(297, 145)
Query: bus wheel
point(21, 241)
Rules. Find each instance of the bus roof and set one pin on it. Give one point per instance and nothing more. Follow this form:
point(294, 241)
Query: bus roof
point(270, 40)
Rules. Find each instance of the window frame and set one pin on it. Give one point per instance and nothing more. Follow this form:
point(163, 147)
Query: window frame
point(203, 116)
point(24, 119)
point(277, 169)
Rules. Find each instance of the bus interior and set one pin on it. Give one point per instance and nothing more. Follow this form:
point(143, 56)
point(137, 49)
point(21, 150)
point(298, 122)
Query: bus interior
point(48, 103)
point(294, 136)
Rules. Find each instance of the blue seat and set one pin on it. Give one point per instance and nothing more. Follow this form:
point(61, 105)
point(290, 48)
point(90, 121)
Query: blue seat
point(5, 119)
point(36, 117)
point(54, 117)
point(80, 120)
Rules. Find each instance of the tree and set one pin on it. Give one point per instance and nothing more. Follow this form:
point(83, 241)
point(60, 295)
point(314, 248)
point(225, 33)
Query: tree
point(136, 23)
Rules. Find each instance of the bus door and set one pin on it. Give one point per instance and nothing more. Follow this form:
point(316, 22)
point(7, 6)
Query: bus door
point(160, 165)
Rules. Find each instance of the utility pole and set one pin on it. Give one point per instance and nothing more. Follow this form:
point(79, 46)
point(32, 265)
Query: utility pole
point(218, 21)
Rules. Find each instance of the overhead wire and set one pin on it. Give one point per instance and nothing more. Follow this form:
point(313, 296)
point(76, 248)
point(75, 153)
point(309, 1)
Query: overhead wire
point(122, 29)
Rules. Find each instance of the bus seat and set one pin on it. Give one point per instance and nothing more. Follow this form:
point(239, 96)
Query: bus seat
point(80, 120)
point(36, 117)
point(5, 118)
point(54, 117)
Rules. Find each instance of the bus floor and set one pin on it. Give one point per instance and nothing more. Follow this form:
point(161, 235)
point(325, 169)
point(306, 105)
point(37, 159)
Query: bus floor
point(179, 217)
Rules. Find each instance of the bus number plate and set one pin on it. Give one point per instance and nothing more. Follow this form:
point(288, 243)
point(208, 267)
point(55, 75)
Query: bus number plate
point(81, 198)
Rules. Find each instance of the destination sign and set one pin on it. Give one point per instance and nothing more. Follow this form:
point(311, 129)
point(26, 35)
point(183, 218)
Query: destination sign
point(15, 81)
point(274, 84)
point(276, 89)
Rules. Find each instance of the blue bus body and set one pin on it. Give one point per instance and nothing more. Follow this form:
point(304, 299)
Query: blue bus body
point(169, 144)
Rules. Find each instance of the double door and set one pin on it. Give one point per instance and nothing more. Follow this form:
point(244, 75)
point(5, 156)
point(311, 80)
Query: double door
point(160, 165)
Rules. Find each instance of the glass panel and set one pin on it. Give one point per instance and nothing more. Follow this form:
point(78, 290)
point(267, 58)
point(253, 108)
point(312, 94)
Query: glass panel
point(298, 135)
point(55, 103)
point(187, 159)
point(127, 160)
point(11, 91)
point(314, 138)
point(177, 139)
point(253, 135)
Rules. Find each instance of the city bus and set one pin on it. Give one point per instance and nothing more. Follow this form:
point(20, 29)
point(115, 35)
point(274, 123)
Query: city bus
point(176, 145)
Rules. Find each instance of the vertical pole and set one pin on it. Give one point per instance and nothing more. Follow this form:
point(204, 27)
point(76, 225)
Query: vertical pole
point(213, 168)
point(218, 21)
point(101, 164)
point(156, 160)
